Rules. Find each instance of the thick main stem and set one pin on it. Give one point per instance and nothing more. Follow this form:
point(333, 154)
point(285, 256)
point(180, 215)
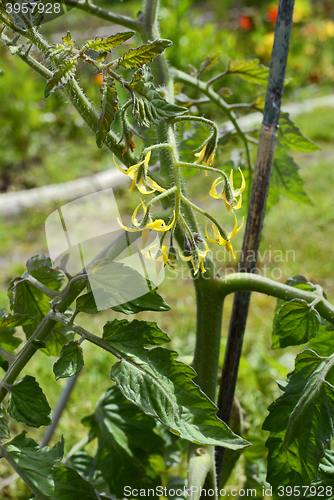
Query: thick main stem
point(257, 207)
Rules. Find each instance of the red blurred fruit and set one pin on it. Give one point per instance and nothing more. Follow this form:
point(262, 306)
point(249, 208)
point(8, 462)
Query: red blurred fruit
point(271, 15)
point(245, 23)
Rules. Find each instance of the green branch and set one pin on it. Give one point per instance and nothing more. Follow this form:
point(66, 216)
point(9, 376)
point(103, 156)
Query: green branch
point(238, 282)
point(75, 95)
point(90, 8)
point(186, 79)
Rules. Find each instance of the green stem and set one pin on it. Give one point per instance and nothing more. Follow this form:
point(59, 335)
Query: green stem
point(206, 214)
point(201, 119)
point(237, 282)
point(125, 21)
point(183, 164)
point(182, 77)
point(76, 97)
point(155, 147)
point(208, 332)
point(161, 196)
point(94, 339)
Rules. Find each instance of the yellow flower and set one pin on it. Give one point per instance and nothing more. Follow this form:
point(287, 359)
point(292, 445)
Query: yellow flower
point(138, 174)
point(228, 193)
point(218, 238)
point(205, 157)
point(196, 258)
point(207, 153)
point(157, 224)
point(160, 256)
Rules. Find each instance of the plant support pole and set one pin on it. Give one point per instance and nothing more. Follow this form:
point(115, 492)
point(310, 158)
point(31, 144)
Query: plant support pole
point(257, 207)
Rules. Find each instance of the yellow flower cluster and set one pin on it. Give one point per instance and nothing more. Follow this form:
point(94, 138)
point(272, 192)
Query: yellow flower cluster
point(222, 188)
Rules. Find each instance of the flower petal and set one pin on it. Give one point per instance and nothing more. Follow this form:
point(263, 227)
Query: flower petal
point(120, 168)
point(147, 159)
point(134, 215)
point(236, 229)
point(143, 188)
point(231, 179)
point(160, 225)
point(243, 185)
point(154, 185)
point(213, 191)
point(133, 170)
point(129, 229)
point(200, 155)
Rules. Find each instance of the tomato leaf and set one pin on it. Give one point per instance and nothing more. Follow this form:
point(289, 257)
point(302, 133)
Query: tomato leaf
point(70, 361)
point(28, 404)
point(135, 58)
point(300, 423)
point(296, 322)
point(162, 387)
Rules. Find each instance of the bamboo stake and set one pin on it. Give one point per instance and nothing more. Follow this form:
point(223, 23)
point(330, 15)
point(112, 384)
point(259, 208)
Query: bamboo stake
point(257, 207)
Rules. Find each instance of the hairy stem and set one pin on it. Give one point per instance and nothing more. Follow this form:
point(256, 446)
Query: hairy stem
point(94, 10)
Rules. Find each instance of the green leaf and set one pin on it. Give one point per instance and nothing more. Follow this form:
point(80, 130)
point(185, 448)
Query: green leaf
point(58, 48)
point(14, 48)
point(300, 282)
point(300, 423)
point(9, 321)
point(26, 299)
point(323, 343)
point(135, 58)
point(324, 486)
point(127, 443)
point(251, 71)
point(148, 106)
point(109, 108)
point(259, 102)
point(67, 40)
point(8, 341)
point(61, 76)
point(4, 431)
point(291, 136)
point(209, 62)
point(84, 463)
point(59, 336)
point(107, 44)
point(7, 329)
point(296, 322)
point(285, 179)
point(86, 302)
point(40, 267)
point(151, 301)
point(28, 404)
point(70, 361)
point(36, 467)
point(120, 281)
point(162, 386)
point(134, 333)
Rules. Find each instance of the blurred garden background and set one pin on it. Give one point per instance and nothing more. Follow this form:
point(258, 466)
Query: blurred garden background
point(44, 141)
